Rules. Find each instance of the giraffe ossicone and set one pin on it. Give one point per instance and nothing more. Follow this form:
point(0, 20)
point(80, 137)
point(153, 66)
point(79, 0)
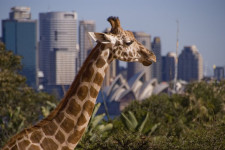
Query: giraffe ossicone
point(65, 125)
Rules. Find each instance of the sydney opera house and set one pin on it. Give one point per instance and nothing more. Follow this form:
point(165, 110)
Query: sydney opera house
point(120, 92)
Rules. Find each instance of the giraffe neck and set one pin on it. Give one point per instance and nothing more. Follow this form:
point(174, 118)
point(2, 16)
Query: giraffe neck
point(76, 110)
point(82, 96)
point(64, 127)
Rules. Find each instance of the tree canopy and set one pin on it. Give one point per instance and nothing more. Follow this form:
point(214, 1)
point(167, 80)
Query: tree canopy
point(20, 105)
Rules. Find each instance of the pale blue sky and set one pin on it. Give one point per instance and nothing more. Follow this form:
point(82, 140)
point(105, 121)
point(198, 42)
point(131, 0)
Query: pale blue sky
point(202, 22)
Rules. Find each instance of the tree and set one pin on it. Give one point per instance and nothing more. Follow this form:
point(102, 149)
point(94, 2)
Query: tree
point(20, 105)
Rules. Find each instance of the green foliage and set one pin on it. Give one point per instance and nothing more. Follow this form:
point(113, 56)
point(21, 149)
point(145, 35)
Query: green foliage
point(193, 120)
point(20, 105)
point(132, 124)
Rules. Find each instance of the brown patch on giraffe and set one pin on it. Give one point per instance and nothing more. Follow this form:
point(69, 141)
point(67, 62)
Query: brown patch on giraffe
point(13, 142)
point(49, 144)
point(23, 144)
point(98, 79)
point(102, 47)
point(130, 54)
point(14, 147)
point(73, 108)
point(82, 120)
point(93, 92)
point(36, 136)
point(75, 137)
point(100, 62)
point(65, 148)
point(86, 77)
point(82, 92)
point(110, 57)
point(129, 59)
point(125, 54)
point(19, 138)
point(89, 106)
point(33, 147)
point(95, 54)
point(59, 117)
point(50, 128)
point(67, 125)
point(60, 137)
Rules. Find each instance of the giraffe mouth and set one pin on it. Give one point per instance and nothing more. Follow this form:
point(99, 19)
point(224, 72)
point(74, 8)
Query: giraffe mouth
point(148, 61)
point(147, 57)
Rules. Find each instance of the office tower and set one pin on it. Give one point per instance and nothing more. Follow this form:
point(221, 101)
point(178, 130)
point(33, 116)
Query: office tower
point(219, 73)
point(58, 47)
point(156, 67)
point(20, 36)
point(168, 66)
point(190, 64)
point(85, 41)
point(135, 67)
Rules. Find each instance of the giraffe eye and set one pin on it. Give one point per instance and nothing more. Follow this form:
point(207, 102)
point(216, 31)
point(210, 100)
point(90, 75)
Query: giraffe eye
point(128, 43)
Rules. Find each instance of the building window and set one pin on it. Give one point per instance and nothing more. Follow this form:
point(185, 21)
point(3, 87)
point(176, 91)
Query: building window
point(69, 16)
point(144, 43)
point(56, 35)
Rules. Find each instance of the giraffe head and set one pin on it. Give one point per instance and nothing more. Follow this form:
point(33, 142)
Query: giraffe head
point(123, 44)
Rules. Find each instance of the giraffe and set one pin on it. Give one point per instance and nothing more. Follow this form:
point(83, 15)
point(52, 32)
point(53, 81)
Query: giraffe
point(65, 125)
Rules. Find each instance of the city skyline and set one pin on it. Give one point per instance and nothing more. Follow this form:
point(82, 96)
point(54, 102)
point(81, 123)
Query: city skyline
point(201, 22)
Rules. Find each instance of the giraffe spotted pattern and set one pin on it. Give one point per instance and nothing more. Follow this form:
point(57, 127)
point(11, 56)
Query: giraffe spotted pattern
point(65, 125)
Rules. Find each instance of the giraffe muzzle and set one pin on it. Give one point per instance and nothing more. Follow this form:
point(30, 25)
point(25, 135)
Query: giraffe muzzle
point(147, 57)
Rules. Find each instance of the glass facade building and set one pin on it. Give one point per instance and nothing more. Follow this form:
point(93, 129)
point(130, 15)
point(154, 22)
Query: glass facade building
point(190, 64)
point(156, 47)
point(20, 36)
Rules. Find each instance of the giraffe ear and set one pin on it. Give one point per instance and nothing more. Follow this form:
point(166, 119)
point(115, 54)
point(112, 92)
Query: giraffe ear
point(100, 37)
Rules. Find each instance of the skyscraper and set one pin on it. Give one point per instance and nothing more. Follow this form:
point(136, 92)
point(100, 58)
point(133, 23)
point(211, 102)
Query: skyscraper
point(58, 47)
point(135, 67)
point(85, 41)
point(20, 36)
point(156, 67)
point(190, 64)
point(219, 73)
point(168, 66)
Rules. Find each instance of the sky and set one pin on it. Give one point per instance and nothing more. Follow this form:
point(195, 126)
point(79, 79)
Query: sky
point(201, 22)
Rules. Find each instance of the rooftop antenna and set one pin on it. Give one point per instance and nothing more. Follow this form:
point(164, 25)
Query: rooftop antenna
point(176, 59)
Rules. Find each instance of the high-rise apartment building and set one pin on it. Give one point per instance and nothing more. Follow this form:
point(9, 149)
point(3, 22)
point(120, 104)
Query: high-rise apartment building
point(219, 73)
point(156, 67)
point(58, 47)
point(190, 64)
point(85, 41)
point(168, 66)
point(20, 36)
point(135, 67)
